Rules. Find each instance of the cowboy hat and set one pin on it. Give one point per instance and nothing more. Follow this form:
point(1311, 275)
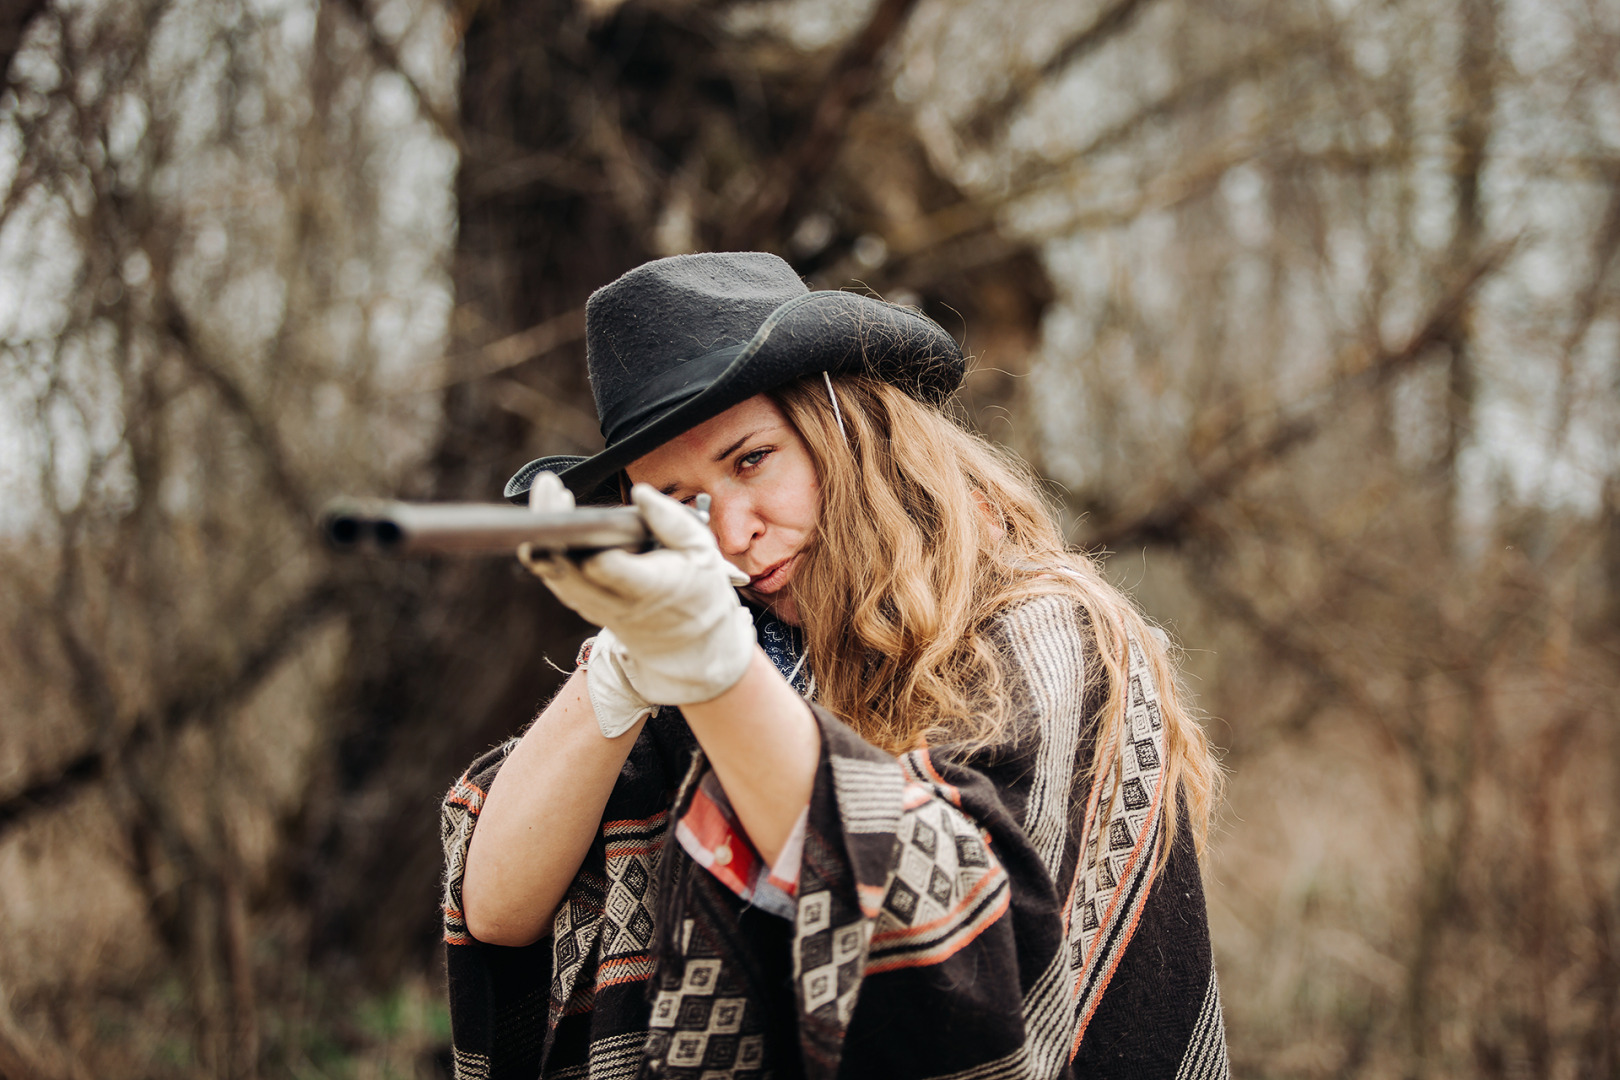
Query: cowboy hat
point(678, 341)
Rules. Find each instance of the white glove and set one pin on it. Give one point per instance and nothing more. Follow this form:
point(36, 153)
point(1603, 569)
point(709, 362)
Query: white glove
point(617, 706)
point(682, 634)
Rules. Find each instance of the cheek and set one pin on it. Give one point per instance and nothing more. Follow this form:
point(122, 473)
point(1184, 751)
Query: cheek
point(803, 509)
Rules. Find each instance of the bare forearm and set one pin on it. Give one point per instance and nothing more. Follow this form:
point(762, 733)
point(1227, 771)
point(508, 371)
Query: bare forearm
point(546, 804)
point(764, 745)
point(539, 819)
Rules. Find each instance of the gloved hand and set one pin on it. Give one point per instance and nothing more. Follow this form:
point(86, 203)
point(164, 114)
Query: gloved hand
point(617, 705)
point(682, 635)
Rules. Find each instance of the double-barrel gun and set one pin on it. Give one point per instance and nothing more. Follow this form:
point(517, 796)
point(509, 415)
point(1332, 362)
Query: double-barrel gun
point(382, 527)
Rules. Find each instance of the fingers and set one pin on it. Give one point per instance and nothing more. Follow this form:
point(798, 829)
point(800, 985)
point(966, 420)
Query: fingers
point(678, 528)
point(538, 564)
point(615, 585)
point(547, 495)
point(673, 524)
point(549, 567)
point(626, 575)
point(592, 601)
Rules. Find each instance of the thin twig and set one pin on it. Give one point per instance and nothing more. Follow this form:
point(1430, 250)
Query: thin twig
point(386, 54)
point(261, 431)
point(1169, 521)
point(507, 352)
point(1111, 23)
point(807, 156)
point(275, 643)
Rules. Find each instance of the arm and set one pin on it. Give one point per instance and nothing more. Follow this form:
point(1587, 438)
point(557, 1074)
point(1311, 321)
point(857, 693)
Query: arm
point(681, 637)
point(765, 746)
point(539, 819)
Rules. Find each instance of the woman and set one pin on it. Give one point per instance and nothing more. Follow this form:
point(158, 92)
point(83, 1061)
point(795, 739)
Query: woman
point(927, 804)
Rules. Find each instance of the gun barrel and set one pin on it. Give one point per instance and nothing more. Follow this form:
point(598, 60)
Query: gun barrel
point(401, 528)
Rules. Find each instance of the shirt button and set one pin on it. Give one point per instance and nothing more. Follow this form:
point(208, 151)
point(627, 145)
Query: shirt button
point(722, 854)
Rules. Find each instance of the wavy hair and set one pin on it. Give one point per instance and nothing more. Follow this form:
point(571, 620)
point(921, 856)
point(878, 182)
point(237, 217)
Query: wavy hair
point(927, 532)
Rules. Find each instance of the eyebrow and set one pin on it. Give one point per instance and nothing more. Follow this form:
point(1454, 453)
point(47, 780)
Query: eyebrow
point(732, 449)
point(670, 489)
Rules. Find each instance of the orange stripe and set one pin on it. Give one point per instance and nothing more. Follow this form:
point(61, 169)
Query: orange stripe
point(643, 961)
point(916, 795)
point(1119, 954)
point(989, 919)
point(950, 789)
point(603, 984)
point(636, 823)
point(966, 901)
point(1087, 820)
point(1119, 893)
point(622, 961)
point(466, 782)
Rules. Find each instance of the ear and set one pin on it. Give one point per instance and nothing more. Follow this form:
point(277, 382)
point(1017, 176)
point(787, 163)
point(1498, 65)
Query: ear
point(995, 522)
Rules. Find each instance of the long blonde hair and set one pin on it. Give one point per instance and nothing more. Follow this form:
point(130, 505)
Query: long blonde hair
point(927, 533)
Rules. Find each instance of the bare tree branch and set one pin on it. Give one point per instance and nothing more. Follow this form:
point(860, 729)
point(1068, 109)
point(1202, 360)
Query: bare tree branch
point(387, 56)
point(23, 1058)
point(1605, 247)
point(275, 643)
point(1279, 638)
point(809, 155)
point(15, 18)
point(1239, 457)
point(510, 351)
point(1187, 95)
point(525, 170)
point(1109, 24)
point(261, 431)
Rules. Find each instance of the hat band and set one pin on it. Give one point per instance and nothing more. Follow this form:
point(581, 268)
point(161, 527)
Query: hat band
point(667, 390)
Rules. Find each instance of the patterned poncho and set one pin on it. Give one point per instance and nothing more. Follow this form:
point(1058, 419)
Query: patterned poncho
point(976, 915)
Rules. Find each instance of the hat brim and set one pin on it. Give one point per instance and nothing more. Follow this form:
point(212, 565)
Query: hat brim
point(840, 333)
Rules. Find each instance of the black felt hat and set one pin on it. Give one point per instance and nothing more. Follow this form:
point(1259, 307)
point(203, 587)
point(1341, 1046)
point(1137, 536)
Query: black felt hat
point(678, 341)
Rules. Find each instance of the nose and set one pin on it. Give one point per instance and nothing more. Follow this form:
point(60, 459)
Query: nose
point(735, 524)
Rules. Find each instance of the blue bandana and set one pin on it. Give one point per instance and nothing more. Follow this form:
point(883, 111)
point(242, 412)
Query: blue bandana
point(784, 644)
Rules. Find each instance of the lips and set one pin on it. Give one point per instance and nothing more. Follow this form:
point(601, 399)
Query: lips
point(773, 578)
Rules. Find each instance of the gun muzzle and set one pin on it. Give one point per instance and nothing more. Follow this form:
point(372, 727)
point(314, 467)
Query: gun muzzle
point(401, 528)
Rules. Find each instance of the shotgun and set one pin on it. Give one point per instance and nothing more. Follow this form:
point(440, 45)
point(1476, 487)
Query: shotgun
point(383, 527)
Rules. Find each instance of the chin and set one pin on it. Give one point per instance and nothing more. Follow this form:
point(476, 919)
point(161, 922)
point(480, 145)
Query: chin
point(782, 606)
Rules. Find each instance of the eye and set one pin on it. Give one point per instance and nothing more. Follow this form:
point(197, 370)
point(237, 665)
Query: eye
point(753, 458)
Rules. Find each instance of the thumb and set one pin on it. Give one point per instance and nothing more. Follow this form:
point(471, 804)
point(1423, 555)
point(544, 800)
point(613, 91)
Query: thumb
point(674, 525)
point(548, 495)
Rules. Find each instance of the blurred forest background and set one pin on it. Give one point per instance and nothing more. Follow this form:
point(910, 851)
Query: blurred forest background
point(1310, 310)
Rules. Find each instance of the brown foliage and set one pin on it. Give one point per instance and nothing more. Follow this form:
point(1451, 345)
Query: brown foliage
point(1312, 306)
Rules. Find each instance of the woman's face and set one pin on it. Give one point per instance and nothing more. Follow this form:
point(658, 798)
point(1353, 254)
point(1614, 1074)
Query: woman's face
point(764, 494)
